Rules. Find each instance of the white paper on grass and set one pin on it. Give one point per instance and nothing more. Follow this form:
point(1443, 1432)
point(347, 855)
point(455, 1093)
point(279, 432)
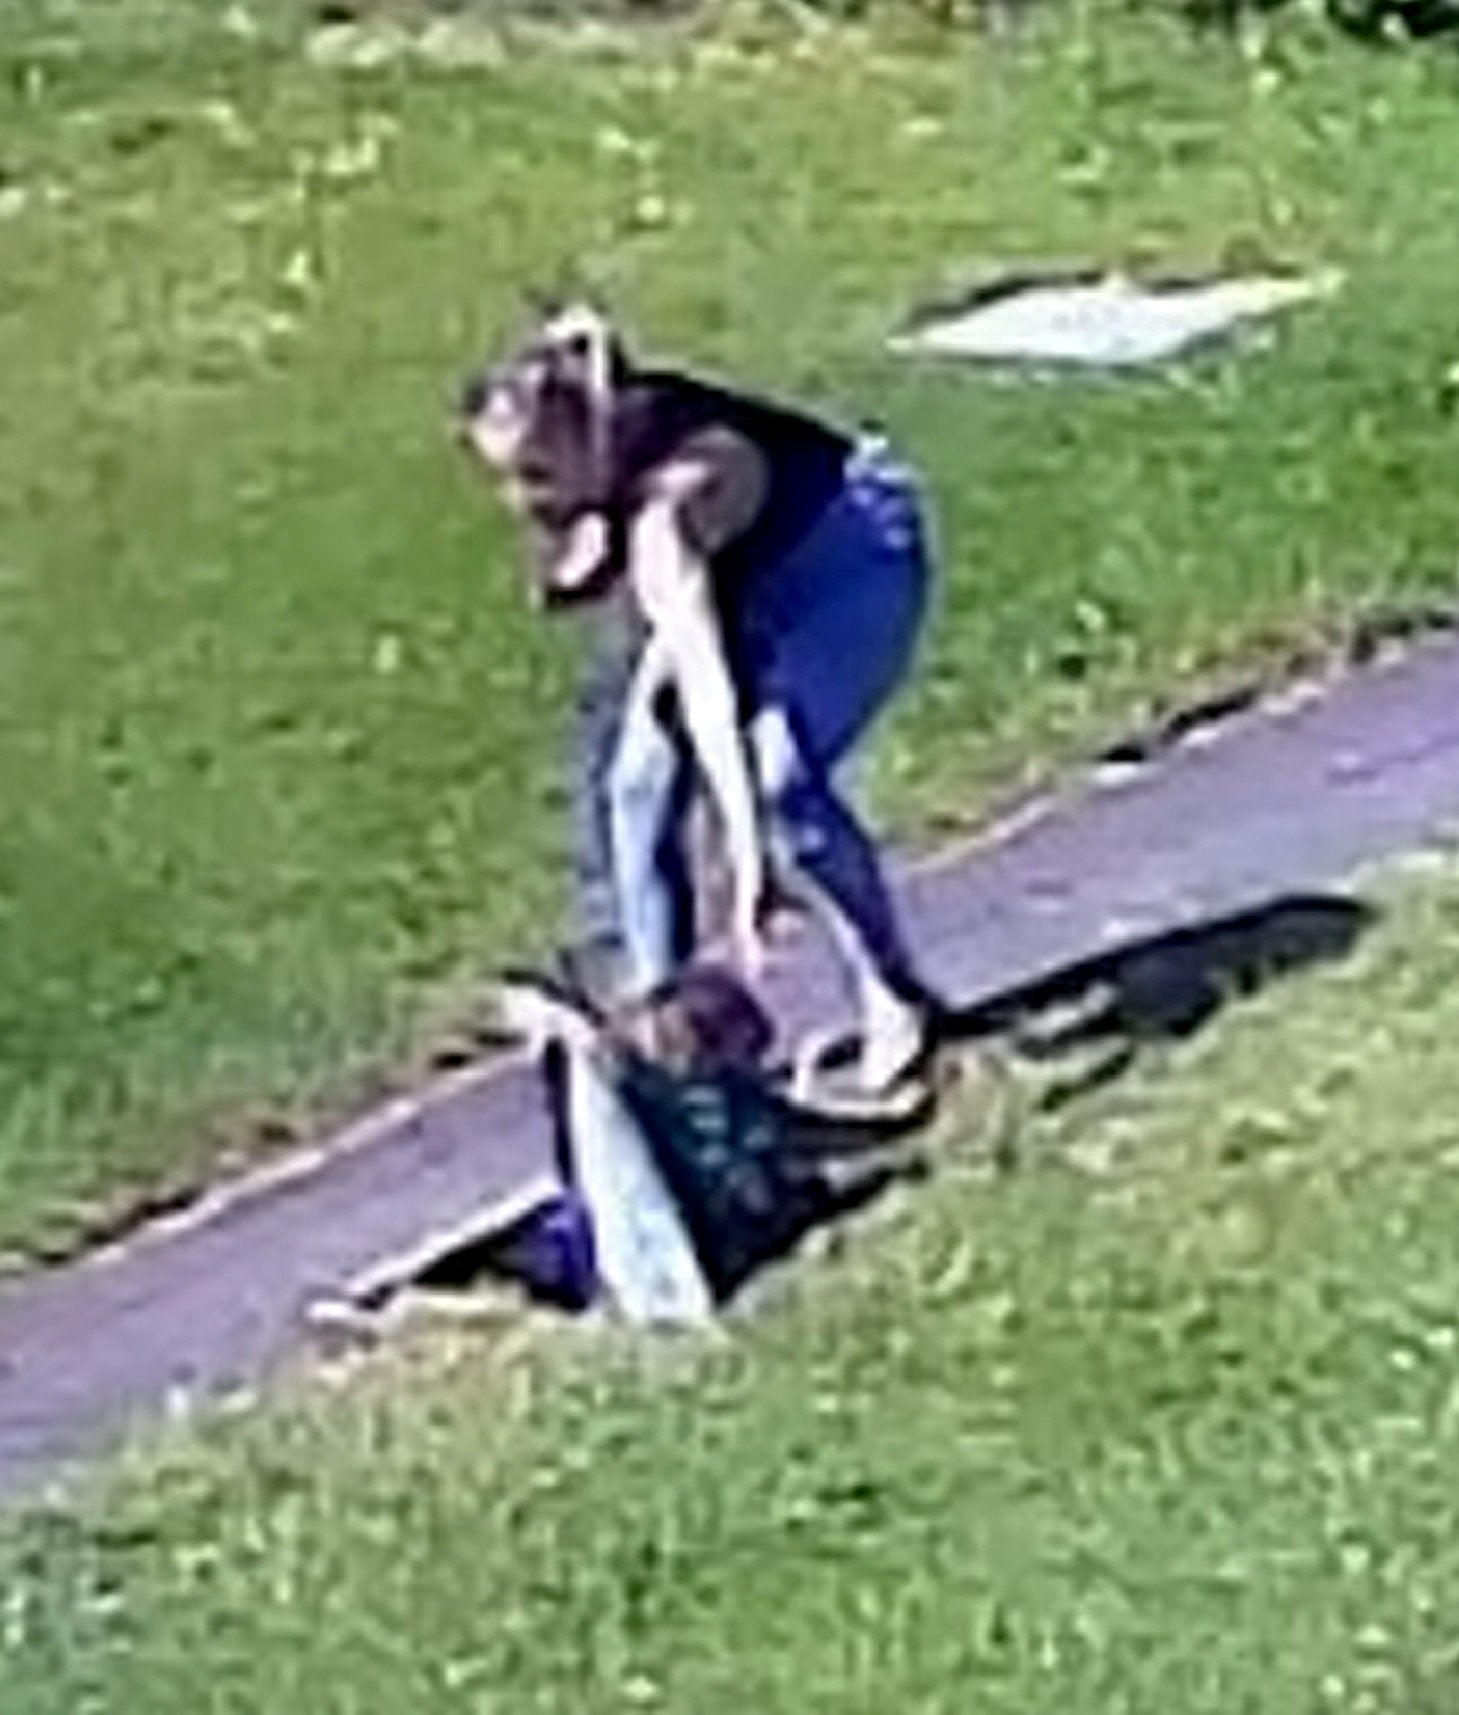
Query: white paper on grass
point(1110, 323)
point(645, 1256)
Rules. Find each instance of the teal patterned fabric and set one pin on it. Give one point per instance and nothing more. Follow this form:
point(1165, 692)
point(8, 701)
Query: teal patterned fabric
point(726, 1147)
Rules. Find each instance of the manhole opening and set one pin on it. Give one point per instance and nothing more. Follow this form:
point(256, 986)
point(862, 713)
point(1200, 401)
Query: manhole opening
point(540, 1253)
point(495, 1250)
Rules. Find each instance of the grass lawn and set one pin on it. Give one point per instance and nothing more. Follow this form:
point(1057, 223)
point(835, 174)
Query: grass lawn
point(1164, 1422)
point(279, 737)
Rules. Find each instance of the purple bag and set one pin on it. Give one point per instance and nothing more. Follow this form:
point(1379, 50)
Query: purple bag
point(550, 1253)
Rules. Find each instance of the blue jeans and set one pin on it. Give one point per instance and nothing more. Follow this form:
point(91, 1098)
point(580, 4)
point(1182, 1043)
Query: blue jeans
point(824, 636)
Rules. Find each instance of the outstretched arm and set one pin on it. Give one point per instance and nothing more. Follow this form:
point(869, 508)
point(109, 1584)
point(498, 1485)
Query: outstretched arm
point(672, 584)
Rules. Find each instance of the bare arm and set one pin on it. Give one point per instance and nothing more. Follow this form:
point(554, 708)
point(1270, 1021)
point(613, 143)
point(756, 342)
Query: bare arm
point(671, 582)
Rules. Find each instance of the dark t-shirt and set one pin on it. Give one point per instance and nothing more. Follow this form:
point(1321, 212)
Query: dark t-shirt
point(769, 472)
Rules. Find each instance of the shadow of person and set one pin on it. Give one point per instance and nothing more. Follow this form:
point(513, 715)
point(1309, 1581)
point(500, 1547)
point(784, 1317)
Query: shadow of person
point(1162, 989)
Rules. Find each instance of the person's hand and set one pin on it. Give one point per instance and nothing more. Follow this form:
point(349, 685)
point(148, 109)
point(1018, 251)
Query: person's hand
point(780, 912)
point(747, 930)
point(581, 557)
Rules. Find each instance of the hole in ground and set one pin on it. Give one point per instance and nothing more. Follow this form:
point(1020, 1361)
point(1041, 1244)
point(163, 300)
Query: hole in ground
point(499, 1246)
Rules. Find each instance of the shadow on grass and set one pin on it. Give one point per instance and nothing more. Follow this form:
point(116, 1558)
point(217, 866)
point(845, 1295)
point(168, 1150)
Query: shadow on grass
point(1096, 1016)
point(1164, 989)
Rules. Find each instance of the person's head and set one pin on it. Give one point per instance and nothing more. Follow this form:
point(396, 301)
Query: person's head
point(701, 1022)
point(540, 417)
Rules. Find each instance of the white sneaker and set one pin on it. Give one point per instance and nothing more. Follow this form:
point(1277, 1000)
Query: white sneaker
point(894, 1038)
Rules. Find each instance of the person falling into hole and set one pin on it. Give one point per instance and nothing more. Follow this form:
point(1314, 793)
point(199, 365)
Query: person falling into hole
point(770, 576)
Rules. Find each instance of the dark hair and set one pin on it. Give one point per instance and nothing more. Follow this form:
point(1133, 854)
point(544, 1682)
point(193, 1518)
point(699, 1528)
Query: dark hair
point(725, 1025)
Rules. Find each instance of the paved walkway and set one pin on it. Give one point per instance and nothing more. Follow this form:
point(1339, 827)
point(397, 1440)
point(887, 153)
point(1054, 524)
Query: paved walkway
point(1276, 802)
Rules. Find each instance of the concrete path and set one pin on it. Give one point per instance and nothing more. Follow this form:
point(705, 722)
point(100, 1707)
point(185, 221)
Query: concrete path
point(1276, 802)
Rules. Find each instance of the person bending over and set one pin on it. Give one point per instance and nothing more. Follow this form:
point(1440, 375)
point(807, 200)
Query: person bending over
point(775, 574)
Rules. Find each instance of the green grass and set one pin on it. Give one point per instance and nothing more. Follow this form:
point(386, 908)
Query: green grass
point(279, 737)
point(1163, 1422)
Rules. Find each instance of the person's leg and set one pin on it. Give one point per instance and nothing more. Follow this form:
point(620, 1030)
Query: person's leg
point(818, 837)
point(833, 639)
point(831, 631)
point(649, 784)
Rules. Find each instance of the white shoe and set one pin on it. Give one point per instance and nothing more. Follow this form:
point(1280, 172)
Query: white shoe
point(894, 1039)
